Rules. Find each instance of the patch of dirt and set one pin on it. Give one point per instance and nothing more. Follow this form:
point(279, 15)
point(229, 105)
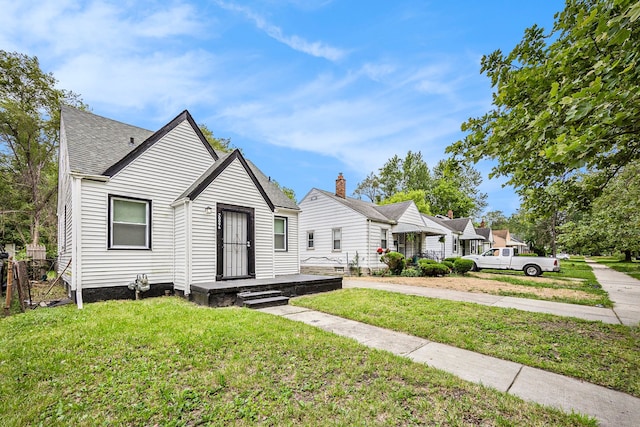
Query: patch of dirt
point(483, 285)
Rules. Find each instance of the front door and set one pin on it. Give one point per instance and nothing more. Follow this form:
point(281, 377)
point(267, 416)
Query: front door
point(235, 242)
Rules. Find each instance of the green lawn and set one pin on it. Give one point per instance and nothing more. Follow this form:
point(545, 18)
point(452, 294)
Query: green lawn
point(575, 274)
point(603, 354)
point(631, 268)
point(167, 362)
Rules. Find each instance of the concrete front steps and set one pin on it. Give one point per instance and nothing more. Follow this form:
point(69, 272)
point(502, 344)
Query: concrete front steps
point(261, 299)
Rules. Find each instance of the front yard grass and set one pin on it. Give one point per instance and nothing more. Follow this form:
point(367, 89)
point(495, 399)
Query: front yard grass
point(608, 355)
point(575, 274)
point(165, 361)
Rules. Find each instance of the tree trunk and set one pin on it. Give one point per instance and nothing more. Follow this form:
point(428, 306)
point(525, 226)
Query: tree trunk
point(627, 255)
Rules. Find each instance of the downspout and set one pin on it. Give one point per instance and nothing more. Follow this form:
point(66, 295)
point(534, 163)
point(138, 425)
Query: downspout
point(369, 244)
point(188, 252)
point(76, 253)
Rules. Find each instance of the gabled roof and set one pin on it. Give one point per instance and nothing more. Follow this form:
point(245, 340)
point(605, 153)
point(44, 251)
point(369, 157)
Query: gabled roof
point(395, 210)
point(457, 224)
point(484, 232)
point(97, 145)
point(440, 222)
point(367, 209)
point(271, 194)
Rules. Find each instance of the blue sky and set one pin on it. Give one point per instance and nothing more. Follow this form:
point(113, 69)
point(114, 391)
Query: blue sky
point(307, 89)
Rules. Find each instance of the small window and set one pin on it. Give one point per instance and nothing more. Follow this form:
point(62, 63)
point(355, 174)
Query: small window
point(310, 242)
point(337, 239)
point(280, 234)
point(455, 244)
point(129, 223)
point(383, 238)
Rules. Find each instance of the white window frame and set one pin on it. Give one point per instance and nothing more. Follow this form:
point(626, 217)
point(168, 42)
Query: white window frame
point(384, 242)
point(455, 244)
point(285, 240)
point(147, 234)
point(311, 244)
point(334, 240)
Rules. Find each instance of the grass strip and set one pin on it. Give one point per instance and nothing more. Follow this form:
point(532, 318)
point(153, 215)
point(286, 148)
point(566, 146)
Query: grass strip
point(167, 362)
point(608, 355)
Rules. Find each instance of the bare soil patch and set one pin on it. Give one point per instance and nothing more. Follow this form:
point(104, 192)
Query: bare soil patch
point(481, 284)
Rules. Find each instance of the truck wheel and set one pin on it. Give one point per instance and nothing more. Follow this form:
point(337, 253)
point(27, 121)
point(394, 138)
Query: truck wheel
point(475, 267)
point(532, 270)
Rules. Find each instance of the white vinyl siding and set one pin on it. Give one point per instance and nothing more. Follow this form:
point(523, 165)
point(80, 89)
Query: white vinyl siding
point(180, 260)
point(65, 210)
point(233, 187)
point(322, 214)
point(160, 175)
point(288, 262)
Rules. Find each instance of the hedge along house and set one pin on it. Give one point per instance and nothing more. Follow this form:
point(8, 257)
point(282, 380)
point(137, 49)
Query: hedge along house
point(339, 233)
point(165, 205)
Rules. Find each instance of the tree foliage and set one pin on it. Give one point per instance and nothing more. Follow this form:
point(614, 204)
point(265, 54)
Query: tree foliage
point(566, 106)
point(220, 144)
point(451, 185)
point(29, 128)
point(612, 223)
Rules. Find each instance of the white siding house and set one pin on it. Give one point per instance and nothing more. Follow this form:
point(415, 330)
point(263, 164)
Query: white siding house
point(338, 233)
point(162, 204)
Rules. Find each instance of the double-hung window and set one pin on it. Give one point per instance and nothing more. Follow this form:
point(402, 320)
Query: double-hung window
point(310, 240)
point(280, 234)
point(129, 223)
point(337, 239)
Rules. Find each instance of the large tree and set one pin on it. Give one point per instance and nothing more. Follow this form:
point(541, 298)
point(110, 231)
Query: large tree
point(566, 106)
point(29, 127)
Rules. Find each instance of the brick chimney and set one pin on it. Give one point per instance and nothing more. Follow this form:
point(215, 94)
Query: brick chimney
point(341, 186)
point(450, 214)
point(483, 224)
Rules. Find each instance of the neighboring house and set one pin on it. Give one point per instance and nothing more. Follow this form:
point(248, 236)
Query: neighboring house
point(445, 246)
point(487, 243)
point(166, 205)
point(503, 239)
point(461, 238)
point(339, 232)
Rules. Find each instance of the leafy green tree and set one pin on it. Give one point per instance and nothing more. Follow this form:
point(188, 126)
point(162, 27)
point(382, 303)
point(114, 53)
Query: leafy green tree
point(369, 187)
point(286, 190)
point(29, 127)
point(221, 144)
point(496, 220)
point(455, 186)
point(418, 196)
point(566, 106)
point(612, 223)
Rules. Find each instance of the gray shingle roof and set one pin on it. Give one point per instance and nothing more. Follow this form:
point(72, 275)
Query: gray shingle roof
point(368, 209)
point(484, 232)
point(94, 143)
point(393, 211)
point(441, 222)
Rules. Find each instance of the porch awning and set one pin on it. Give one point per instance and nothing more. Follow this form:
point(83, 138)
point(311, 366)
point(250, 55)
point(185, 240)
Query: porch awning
point(472, 237)
point(403, 228)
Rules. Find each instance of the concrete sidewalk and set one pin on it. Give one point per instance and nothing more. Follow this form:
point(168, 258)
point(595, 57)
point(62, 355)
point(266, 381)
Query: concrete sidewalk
point(606, 315)
point(623, 290)
point(611, 408)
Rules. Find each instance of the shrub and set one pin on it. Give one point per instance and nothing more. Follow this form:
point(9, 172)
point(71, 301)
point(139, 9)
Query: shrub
point(427, 260)
point(462, 265)
point(452, 259)
point(448, 264)
point(410, 272)
point(395, 261)
point(432, 269)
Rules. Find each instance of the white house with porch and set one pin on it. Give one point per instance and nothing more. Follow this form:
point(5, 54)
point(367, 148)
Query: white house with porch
point(340, 233)
point(166, 206)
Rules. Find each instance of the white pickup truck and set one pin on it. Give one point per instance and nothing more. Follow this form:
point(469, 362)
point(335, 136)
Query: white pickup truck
point(505, 259)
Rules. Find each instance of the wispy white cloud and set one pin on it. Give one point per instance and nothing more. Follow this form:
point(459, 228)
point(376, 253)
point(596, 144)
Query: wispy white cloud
point(318, 49)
